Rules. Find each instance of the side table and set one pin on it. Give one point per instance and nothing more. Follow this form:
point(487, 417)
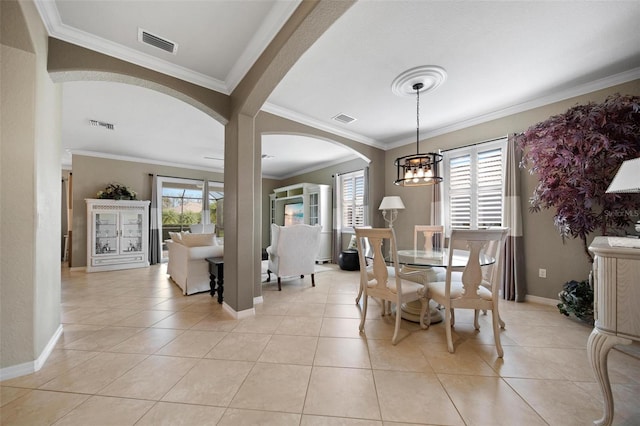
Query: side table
point(216, 276)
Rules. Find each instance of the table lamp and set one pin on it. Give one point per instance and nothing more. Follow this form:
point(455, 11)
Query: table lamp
point(390, 206)
point(627, 180)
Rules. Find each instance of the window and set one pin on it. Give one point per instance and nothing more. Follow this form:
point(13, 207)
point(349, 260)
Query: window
point(474, 186)
point(351, 198)
point(182, 205)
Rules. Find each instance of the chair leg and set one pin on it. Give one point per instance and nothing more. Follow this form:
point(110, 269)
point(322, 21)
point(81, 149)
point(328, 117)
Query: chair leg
point(359, 294)
point(313, 280)
point(453, 316)
point(394, 339)
point(268, 275)
point(448, 314)
point(364, 312)
point(496, 332)
point(279, 285)
point(476, 315)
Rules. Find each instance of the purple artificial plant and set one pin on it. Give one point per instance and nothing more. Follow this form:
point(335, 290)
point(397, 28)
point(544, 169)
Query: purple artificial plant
point(576, 155)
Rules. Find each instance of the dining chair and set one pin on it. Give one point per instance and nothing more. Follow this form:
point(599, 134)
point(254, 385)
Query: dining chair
point(489, 275)
point(433, 237)
point(378, 283)
point(469, 292)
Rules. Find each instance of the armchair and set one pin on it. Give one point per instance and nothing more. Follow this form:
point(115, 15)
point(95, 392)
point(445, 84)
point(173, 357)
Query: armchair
point(293, 251)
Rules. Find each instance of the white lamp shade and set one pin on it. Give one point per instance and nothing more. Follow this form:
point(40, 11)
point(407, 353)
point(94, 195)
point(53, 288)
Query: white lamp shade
point(391, 203)
point(628, 177)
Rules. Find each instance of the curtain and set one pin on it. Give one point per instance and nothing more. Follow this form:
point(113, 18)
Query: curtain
point(337, 220)
point(155, 250)
point(365, 200)
point(206, 217)
point(514, 285)
point(436, 205)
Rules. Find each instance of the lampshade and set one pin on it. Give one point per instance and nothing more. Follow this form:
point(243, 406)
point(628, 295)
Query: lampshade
point(628, 177)
point(391, 202)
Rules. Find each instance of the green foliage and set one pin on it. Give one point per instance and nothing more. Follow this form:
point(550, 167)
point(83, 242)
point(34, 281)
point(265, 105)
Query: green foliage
point(117, 191)
point(170, 217)
point(576, 298)
point(575, 156)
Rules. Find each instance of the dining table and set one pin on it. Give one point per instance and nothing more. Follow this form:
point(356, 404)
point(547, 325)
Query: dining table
point(432, 262)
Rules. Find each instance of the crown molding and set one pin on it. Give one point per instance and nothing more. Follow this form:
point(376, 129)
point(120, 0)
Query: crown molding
point(561, 95)
point(273, 23)
point(55, 28)
point(308, 121)
point(144, 160)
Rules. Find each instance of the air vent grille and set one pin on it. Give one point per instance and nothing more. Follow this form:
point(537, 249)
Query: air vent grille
point(157, 41)
point(108, 126)
point(344, 118)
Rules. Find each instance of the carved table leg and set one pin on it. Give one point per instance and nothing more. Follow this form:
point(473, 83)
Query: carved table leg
point(220, 287)
point(598, 348)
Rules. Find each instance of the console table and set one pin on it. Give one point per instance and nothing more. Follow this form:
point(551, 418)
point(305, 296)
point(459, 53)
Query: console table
point(616, 272)
point(216, 276)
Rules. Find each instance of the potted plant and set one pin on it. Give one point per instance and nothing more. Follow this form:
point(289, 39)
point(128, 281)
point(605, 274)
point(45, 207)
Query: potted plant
point(117, 191)
point(575, 156)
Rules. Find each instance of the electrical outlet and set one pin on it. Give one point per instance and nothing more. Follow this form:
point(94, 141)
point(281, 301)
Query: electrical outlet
point(542, 273)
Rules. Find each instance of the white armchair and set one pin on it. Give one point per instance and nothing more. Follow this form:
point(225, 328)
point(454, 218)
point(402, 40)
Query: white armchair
point(293, 251)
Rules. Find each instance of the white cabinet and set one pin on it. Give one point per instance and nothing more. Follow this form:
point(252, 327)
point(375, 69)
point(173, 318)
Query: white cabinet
point(616, 291)
point(117, 234)
point(314, 200)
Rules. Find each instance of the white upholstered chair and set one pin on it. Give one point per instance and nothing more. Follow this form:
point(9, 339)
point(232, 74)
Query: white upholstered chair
point(293, 251)
point(470, 293)
point(378, 283)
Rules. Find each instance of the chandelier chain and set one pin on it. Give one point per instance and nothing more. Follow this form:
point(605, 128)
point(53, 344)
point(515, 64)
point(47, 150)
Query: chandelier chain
point(417, 88)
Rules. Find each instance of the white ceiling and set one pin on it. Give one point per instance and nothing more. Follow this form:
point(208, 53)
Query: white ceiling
point(501, 57)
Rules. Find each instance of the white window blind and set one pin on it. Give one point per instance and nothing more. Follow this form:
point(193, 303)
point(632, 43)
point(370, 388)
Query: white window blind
point(352, 199)
point(473, 186)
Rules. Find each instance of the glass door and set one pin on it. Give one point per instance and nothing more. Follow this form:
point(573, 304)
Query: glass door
point(106, 233)
point(314, 208)
point(131, 231)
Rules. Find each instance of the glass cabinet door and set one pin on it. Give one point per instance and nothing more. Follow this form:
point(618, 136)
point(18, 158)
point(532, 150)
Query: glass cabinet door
point(131, 231)
point(106, 233)
point(313, 209)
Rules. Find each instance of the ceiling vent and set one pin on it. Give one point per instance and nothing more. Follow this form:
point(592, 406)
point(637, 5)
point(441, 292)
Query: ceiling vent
point(157, 41)
point(108, 126)
point(344, 118)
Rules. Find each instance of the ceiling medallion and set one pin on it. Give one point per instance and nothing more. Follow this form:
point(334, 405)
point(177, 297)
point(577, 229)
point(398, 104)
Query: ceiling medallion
point(431, 77)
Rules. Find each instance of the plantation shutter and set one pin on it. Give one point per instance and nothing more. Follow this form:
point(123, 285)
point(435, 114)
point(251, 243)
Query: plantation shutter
point(353, 192)
point(473, 186)
point(460, 192)
point(490, 184)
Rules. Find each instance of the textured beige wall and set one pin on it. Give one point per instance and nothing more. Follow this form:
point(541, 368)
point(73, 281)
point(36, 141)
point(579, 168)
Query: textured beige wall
point(30, 179)
point(92, 174)
point(543, 245)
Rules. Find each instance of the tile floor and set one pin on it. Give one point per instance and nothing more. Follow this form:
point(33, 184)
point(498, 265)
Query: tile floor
point(136, 352)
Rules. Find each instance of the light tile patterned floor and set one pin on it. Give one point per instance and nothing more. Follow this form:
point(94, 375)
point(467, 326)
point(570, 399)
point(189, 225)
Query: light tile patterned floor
point(136, 352)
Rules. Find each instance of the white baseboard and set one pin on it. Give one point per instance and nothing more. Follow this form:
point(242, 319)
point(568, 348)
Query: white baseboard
point(78, 269)
point(247, 313)
point(541, 300)
point(258, 300)
point(31, 366)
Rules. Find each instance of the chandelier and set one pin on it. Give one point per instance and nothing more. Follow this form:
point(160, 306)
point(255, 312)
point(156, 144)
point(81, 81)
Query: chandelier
point(419, 169)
